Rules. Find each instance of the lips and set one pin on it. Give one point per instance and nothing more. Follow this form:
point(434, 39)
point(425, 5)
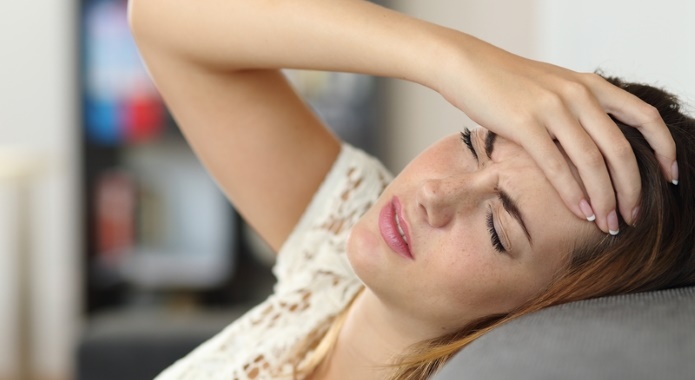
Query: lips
point(394, 228)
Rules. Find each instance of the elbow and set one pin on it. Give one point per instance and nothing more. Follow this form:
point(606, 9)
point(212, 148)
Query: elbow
point(155, 27)
point(142, 17)
point(131, 16)
point(137, 21)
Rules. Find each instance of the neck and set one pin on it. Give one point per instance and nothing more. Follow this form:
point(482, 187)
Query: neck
point(372, 337)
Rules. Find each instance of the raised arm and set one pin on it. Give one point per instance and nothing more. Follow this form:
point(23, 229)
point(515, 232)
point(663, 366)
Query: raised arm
point(215, 62)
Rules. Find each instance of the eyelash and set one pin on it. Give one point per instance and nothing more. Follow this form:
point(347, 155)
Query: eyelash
point(466, 138)
point(494, 237)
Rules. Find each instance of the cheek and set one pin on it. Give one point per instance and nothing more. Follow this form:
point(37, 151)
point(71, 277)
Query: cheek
point(480, 282)
point(461, 272)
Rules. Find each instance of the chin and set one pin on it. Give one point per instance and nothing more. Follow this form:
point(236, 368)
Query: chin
point(363, 251)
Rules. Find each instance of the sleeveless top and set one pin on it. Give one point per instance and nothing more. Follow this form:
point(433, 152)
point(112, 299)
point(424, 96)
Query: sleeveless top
point(315, 282)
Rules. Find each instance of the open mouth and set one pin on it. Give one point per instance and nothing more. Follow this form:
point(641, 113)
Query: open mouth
point(400, 229)
point(394, 230)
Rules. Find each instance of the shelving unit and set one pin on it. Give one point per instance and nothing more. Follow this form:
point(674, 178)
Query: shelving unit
point(156, 223)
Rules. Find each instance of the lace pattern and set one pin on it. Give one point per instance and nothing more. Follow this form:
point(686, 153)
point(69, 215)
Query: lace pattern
point(315, 282)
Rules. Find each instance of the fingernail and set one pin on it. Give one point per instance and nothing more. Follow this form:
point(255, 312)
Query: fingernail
point(635, 213)
point(674, 173)
point(613, 226)
point(586, 209)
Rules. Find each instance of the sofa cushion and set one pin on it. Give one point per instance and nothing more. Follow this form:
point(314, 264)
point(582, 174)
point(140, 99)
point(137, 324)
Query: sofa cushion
point(636, 336)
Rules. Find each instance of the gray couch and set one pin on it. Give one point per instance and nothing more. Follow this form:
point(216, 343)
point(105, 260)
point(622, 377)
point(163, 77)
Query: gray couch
point(637, 337)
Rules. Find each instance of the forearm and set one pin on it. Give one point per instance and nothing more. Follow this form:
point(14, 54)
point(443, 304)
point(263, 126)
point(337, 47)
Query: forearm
point(338, 35)
point(207, 58)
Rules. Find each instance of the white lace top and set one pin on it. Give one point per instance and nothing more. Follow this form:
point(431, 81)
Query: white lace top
point(315, 282)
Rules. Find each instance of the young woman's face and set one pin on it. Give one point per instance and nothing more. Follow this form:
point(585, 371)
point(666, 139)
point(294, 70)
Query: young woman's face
point(484, 231)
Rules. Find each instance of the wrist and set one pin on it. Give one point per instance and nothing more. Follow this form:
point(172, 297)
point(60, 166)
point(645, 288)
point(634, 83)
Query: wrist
point(441, 56)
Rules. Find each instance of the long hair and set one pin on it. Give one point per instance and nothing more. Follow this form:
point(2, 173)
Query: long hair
point(658, 252)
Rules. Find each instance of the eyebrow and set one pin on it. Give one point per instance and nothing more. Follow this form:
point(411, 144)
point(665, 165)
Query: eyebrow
point(489, 143)
point(508, 203)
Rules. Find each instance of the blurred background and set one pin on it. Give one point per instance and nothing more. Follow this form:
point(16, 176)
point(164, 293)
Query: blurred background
point(118, 254)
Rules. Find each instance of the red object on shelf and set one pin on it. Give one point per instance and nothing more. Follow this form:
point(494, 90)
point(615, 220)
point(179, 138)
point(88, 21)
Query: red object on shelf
point(143, 118)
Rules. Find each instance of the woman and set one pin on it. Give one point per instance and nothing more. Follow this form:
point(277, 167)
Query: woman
point(387, 279)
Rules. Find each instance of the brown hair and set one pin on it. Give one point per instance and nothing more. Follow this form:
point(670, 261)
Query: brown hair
point(656, 253)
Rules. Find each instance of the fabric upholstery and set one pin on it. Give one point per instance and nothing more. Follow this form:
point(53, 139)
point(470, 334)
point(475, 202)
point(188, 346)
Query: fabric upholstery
point(636, 336)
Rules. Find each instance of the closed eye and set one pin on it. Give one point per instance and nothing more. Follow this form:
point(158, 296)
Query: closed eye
point(466, 138)
point(494, 236)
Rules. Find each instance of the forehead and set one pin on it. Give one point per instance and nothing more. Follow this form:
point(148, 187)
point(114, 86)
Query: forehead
point(551, 224)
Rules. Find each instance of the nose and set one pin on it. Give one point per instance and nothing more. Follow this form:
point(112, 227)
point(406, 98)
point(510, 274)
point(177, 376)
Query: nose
point(442, 199)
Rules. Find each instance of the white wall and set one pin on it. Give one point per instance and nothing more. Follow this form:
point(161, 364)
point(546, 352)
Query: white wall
point(640, 40)
point(9, 289)
point(38, 113)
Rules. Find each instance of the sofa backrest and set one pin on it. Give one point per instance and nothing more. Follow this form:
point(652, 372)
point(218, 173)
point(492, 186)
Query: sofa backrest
point(640, 336)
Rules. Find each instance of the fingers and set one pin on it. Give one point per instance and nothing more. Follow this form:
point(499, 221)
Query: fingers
point(594, 163)
point(607, 166)
point(539, 144)
point(601, 154)
point(620, 160)
point(634, 112)
point(603, 157)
